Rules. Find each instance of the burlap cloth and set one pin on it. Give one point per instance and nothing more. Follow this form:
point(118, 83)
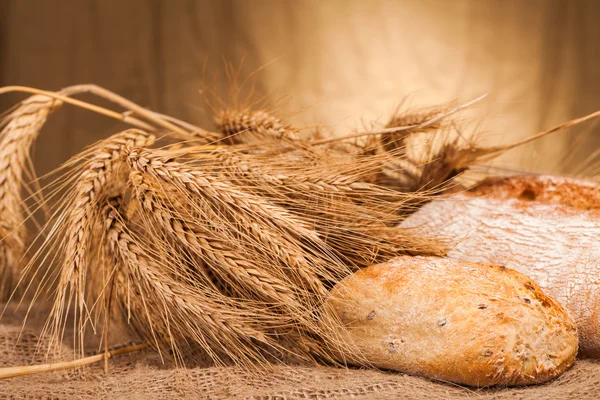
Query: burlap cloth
point(143, 375)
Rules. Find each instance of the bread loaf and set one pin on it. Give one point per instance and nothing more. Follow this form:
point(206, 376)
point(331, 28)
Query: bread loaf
point(456, 321)
point(545, 227)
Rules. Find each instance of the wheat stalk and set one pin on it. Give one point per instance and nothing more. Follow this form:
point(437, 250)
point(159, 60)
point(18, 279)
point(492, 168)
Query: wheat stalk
point(21, 127)
point(184, 130)
point(79, 214)
point(351, 213)
point(230, 264)
point(280, 230)
point(397, 129)
point(162, 167)
point(258, 265)
point(174, 312)
point(13, 372)
point(246, 126)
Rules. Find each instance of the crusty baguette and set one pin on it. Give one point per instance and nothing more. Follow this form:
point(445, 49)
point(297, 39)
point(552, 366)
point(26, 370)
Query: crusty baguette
point(456, 321)
point(547, 228)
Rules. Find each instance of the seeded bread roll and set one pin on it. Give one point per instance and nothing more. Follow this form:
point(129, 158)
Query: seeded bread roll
point(545, 227)
point(455, 321)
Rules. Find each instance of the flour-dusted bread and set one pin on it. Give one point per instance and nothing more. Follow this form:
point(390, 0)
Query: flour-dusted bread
point(456, 321)
point(545, 227)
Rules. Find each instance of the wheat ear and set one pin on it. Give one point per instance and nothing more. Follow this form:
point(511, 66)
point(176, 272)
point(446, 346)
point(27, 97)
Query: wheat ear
point(230, 264)
point(243, 211)
point(79, 214)
point(253, 126)
point(352, 214)
point(172, 313)
point(162, 167)
point(21, 127)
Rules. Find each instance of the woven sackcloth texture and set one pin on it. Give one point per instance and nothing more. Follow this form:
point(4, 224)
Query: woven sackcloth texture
point(143, 375)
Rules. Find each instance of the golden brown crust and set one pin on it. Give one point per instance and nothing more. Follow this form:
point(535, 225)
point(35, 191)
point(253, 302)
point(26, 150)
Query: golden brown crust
point(455, 321)
point(542, 189)
point(554, 244)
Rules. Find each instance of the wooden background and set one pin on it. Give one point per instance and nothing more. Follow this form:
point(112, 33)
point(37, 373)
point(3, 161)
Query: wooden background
point(340, 63)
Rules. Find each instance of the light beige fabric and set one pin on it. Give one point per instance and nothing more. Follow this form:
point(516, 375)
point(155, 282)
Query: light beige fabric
point(143, 376)
point(340, 63)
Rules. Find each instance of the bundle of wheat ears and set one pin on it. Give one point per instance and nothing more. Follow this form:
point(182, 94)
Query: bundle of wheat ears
point(221, 243)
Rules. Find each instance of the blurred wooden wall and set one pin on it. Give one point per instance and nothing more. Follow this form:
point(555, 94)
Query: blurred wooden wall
point(340, 62)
